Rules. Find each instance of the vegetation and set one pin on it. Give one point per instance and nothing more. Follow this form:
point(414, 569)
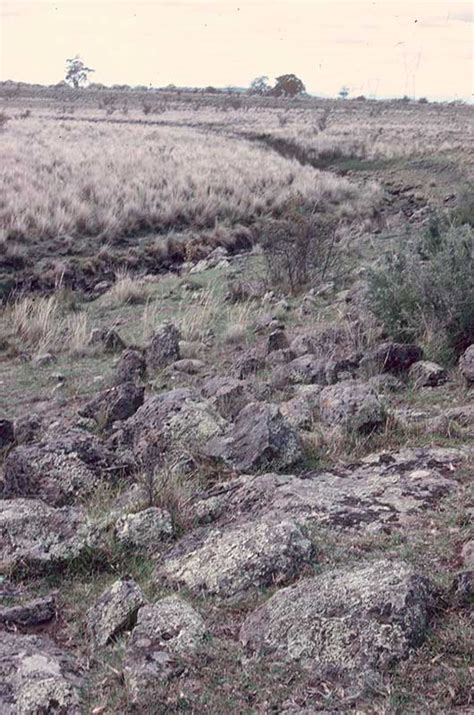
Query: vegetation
point(77, 73)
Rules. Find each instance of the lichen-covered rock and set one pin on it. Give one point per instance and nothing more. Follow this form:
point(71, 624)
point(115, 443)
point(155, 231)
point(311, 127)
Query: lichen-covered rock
point(60, 468)
point(306, 370)
point(466, 365)
point(353, 620)
point(260, 438)
point(34, 533)
point(249, 363)
point(302, 409)
point(27, 428)
point(396, 358)
point(164, 347)
point(427, 374)
point(352, 405)
point(146, 530)
point(168, 635)
point(230, 563)
point(116, 403)
point(226, 395)
point(115, 611)
point(6, 433)
point(131, 367)
point(277, 340)
point(38, 677)
point(32, 612)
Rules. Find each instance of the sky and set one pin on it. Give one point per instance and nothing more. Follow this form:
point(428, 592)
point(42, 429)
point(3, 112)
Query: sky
point(382, 48)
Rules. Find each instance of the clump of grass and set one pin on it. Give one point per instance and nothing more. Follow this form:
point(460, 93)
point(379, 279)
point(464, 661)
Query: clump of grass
point(126, 290)
point(36, 321)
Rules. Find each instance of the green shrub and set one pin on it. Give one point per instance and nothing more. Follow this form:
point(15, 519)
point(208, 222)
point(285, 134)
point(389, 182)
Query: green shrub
point(425, 290)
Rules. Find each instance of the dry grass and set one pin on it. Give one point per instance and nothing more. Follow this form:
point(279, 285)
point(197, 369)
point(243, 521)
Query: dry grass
point(126, 290)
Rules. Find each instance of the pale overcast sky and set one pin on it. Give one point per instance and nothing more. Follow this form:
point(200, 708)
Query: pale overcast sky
point(381, 48)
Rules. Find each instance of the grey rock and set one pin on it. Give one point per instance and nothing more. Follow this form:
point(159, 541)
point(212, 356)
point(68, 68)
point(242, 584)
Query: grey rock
point(352, 405)
point(44, 360)
point(146, 529)
point(190, 366)
point(116, 403)
point(260, 438)
point(395, 358)
point(115, 611)
point(385, 383)
point(36, 676)
point(277, 340)
point(427, 374)
point(27, 429)
point(109, 340)
point(462, 589)
point(279, 357)
point(307, 369)
point(7, 435)
point(164, 347)
point(226, 395)
point(29, 613)
point(131, 367)
point(302, 409)
point(466, 365)
point(249, 363)
point(231, 563)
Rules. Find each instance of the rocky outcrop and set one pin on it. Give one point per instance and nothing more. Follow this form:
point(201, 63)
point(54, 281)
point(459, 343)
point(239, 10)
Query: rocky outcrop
point(352, 405)
point(164, 347)
point(115, 611)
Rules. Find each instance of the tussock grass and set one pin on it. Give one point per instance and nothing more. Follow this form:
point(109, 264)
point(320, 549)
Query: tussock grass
point(126, 290)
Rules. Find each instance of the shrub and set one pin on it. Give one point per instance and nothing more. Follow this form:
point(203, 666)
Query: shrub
point(424, 290)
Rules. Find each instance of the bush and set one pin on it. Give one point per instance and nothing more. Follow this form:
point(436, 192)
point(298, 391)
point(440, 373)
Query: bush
point(425, 290)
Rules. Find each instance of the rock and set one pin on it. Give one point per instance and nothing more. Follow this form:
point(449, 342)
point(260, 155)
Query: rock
point(260, 437)
point(302, 409)
point(36, 676)
point(116, 403)
point(386, 383)
point(381, 493)
point(277, 340)
point(27, 429)
point(279, 357)
point(44, 360)
point(427, 374)
point(307, 369)
point(168, 635)
point(7, 435)
point(115, 611)
point(189, 366)
point(466, 365)
point(338, 370)
point(131, 367)
point(230, 563)
point(63, 466)
point(467, 554)
point(30, 613)
point(352, 405)
point(396, 358)
point(164, 347)
point(32, 532)
point(226, 395)
point(248, 364)
point(304, 344)
point(462, 589)
point(351, 621)
point(146, 529)
point(109, 340)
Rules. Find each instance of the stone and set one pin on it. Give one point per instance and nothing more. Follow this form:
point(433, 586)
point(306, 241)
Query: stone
point(29, 613)
point(27, 429)
point(164, 347)
point(277, 340)
point(7, 436)
point(116, 403)
point(168, 635)
point(36, 676)
point(462, 589)
point(31, 532)
point(248, 364)
point(279, 357)
point(396, 358)
point(307, 369)
point(131, 367)
point(109, 340)
point(146, 529)
point(385, 383)
point(189, 366)
point(352, 621)
point(466, 365)
point(115, 611)
point(352, 405)
point(260, 438)
point(231, 563)
point(427, 374)
point(301, 411)
point(226, 395)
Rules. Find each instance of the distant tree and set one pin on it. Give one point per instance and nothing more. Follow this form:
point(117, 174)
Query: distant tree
point(288, 85)
point(77, 72)
point(260, 86)
point(344, 92)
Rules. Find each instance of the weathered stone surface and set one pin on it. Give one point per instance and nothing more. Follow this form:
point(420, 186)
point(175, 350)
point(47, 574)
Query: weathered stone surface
point(352, 405)
point(277, 340)
point(385, 383)
point(302, 409)
point(391, 357)
point(306, 370)
point(382, 492)
point(109, 340)
point(146, 529)
point(164, 347)
point(115, 611)
point(168, 635)
point(261, 437)
point(6, 433)
point(351, 621)
point(231, 563)
point(33, 532)
point(427, 374)
point(38, 677)
point(131, 367)
point(29, 613)
point(248, 364)
point(279, 357)
point(58, 469)
point(116, 403)
point(466, 365)
point(226, 395)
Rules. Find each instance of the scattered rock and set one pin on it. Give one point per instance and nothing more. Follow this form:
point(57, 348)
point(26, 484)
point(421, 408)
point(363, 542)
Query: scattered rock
point(131, 367)
point(146, 529)
point(116, 403)
point(7, 435)
point(307, 369)
point(164, 347)
point(351, 621)
point(227, 395)
point(36, 676)
point(277, 340)
point(466, 365)
point(396, 358)
point(302, 409)
point(352, 405)
point(30, 613)
point(260, 437)
point(427, 374)
point(248, 364)
point(109, 340)
point(231, 563)
point(115, 611)
point(168, 635)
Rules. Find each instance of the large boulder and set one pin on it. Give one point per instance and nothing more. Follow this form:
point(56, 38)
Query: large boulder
point(169, 634)
point(31, 532)
point(260, 438)
point(466, 365)
point(396, 358)
point(116, 403)
point(36, 676)
point(352, 621)
point(164, 347)
point(230, 563)
point(352, 405)
point(226, 395)
point(115, 611)
point(145, 530)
